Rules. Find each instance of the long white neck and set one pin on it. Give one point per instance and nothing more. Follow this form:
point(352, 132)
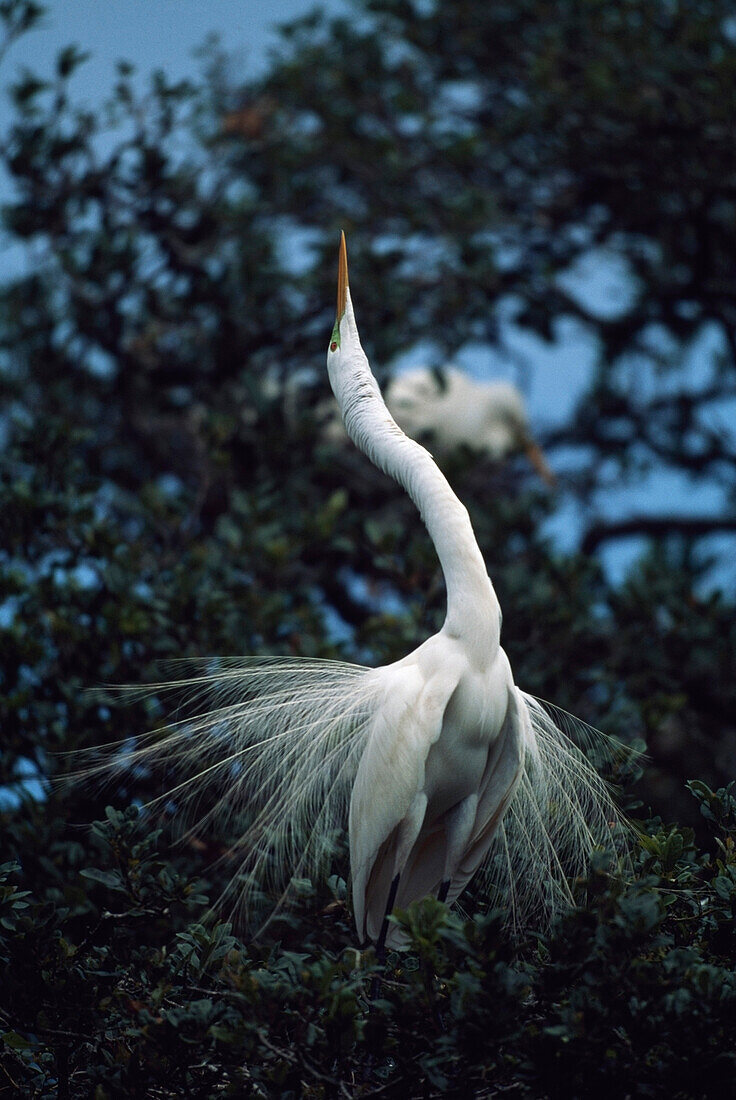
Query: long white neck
point(473, 611)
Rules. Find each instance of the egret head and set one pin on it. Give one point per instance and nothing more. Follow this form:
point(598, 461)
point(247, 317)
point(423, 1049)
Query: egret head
point(344, 336)
point(347, 365)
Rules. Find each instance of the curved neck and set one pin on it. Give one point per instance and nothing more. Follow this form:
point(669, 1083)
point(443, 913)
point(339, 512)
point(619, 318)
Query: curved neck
point(473, 611)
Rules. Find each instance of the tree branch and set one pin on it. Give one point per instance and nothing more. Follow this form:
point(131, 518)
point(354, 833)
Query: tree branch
point(654, 527)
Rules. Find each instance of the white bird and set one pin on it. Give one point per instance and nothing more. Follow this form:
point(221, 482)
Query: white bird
point(443, 408)
point(447, 743)
point(451, 410)
point(438, 761)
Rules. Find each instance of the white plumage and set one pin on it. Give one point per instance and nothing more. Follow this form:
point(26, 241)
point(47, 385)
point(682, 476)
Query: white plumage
point(439, 763)
point(447, 742)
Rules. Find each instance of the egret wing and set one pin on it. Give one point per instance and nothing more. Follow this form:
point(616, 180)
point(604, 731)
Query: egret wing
point(390, 779)
point(501, 777)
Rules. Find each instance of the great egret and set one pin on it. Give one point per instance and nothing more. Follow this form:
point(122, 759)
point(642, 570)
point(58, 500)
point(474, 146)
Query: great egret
point(451, 410)
point(438, 761)
point(447, 409)
point(448, 740)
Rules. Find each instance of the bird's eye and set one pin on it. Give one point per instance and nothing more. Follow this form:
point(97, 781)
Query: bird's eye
point(333, 346)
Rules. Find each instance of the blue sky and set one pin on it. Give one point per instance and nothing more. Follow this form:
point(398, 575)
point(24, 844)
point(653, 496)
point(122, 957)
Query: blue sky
point(154, 34)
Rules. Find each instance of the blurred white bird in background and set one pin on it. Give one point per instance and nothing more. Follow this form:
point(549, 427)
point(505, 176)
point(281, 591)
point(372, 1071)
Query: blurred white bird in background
point(451, 410)
point(443, 408)
point(447, 410)
point(438, 763)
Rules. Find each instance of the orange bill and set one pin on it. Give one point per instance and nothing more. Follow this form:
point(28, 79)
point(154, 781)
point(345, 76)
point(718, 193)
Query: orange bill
point(539, 462)
point(342, 277)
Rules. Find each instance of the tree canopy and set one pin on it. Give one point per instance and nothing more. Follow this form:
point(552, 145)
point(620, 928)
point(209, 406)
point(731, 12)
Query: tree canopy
point(166, 492)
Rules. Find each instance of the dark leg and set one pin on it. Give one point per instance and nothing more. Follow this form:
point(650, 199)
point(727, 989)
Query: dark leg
point(389, 910)
point(381, 958)
point(441, 896)
point(381, 942)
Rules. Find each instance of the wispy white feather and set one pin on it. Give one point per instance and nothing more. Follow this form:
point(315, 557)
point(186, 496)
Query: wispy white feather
point(269, 748)
point(563, 810)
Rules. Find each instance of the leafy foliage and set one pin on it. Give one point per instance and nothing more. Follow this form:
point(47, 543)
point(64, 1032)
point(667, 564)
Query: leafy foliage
point(638, 983)
point(164, 495)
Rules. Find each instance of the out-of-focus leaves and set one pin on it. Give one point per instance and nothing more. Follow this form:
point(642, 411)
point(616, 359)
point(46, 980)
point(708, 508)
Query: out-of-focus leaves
point(167, 491)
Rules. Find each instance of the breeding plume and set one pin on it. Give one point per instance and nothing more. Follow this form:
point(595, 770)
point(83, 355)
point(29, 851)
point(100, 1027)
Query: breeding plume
point(438, 764)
